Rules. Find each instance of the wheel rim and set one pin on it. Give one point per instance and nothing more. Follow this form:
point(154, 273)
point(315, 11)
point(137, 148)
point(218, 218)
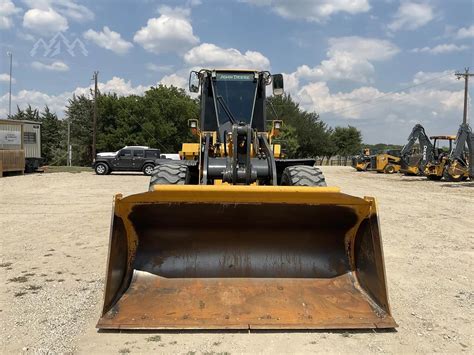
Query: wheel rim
point(148, 170)
point(100, 169)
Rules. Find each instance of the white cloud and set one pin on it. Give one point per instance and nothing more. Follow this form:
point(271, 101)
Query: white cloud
point(108, 39)
point(74, 11)
point(313, 10)
point(175, 80)
point(441, 49)
point(7, 10)
point(159, 68)
point(349, 58)
point(171, 32)
point(212, 56)
point(67, 8)
point(465, 32)
point(55, 66)
point(45, 22)
point(411, 15)
point(385, 116)
point(6, 78)
point(57, 103)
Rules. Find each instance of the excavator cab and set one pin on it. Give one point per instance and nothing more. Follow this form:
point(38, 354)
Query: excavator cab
point(234, 237)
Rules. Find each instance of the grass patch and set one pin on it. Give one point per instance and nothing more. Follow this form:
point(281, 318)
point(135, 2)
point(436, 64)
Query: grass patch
point(34, 287)
point(67, 169)
point(7, 264)
point(124, 351)
point(20, 279)
point(154, 338)
point(19, 294)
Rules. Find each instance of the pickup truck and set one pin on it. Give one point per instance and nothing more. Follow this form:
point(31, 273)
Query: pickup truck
point(130, 158)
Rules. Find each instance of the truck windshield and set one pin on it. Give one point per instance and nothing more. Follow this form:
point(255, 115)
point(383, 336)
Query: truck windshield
point(235, 96)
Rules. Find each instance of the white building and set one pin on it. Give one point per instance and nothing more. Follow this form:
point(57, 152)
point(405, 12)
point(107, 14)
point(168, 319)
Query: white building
point(22, 135)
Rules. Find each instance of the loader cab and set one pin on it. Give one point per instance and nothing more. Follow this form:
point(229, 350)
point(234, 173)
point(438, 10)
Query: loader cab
point(231, 97)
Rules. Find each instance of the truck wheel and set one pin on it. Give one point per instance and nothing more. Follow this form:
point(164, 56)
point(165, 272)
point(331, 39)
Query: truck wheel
point(101, 169)
point(302, 175)
point(169, 174)
point(434, 177)
point(452, 178)
point(389, 169)
point(148, 169)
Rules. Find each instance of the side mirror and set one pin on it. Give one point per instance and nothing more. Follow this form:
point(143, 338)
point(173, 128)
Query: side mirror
point(194, 81)
point(277, 84)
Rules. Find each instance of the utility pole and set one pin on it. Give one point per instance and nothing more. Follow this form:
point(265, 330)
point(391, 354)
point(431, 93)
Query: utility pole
point(466, 76)
point(94, 125)
point(69, 148)
point(10, 54)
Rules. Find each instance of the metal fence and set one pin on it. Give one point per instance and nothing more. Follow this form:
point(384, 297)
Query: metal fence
point(334, 161)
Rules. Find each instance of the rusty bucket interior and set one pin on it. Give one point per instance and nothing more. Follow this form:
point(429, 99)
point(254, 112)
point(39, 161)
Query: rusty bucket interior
point(207, 257)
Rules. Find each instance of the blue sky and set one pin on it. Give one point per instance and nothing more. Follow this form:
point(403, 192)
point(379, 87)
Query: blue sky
point(379, 65)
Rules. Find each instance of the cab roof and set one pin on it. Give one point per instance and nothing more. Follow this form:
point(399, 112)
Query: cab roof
point(449, 138)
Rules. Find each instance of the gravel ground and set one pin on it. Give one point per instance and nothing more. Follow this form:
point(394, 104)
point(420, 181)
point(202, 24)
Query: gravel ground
point(54, 235)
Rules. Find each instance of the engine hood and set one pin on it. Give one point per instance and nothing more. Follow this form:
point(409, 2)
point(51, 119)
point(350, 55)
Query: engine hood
point(106, 154)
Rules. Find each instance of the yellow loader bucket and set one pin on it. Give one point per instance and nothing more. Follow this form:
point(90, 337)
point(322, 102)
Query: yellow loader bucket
point(245, 257)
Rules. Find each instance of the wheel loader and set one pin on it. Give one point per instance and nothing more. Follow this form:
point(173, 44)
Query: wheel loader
point(235, 237)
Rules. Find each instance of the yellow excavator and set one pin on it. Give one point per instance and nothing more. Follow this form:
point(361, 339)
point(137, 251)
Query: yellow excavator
point(235, 237)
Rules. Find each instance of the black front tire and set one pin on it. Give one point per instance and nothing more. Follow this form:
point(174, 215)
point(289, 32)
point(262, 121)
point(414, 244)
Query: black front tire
point(169, 174)
point(452, 178)
point(302, 175)
point(389, 169)
point(101, 169)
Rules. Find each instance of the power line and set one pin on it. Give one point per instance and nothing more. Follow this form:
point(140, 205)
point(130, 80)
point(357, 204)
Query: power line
point(343, 109)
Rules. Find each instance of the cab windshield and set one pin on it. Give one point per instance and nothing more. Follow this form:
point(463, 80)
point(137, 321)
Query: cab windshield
point(235, 96)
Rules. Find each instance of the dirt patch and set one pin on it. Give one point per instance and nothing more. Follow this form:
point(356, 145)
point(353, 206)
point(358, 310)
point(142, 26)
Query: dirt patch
point(426, 231)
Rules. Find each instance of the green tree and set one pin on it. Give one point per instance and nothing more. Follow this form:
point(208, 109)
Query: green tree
point(347, 141)
point(157, 119)
point(79, 113)
point(288, 139)
point(312, 133)
point(29, 114)
point(52, 136)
